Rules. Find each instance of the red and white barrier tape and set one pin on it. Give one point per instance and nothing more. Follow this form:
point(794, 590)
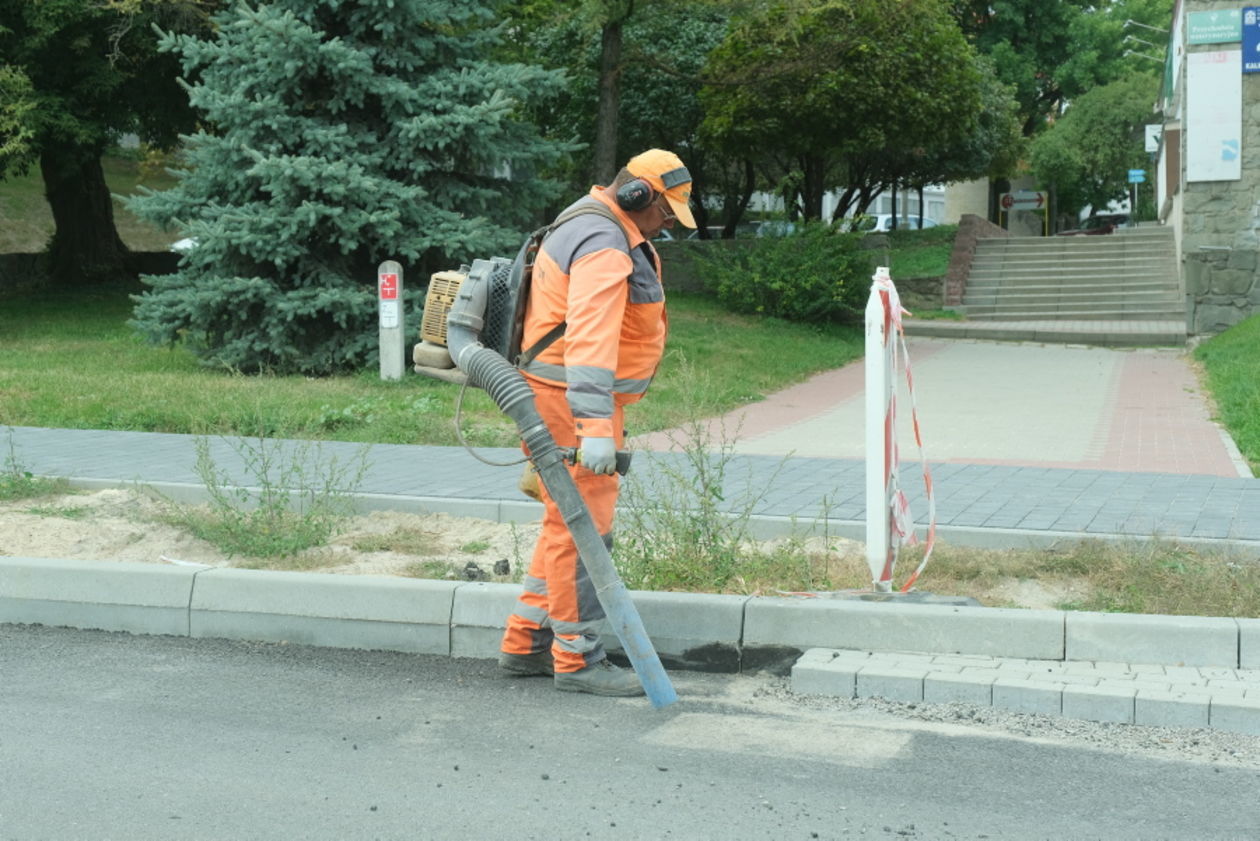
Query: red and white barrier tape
point(901, 518)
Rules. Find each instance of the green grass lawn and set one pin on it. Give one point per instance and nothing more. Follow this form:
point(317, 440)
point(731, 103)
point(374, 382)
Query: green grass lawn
point(914, 253)
point(71, 361)
point(1232, 363)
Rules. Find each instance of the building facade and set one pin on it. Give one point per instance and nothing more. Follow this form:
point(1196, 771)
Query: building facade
point(1207, 176)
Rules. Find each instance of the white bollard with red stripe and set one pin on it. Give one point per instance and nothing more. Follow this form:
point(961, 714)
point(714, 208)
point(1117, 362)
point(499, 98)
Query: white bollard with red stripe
point(879, 397)
point(888, 520)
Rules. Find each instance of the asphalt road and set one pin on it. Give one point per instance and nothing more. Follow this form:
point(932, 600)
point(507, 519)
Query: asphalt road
point(112, 737)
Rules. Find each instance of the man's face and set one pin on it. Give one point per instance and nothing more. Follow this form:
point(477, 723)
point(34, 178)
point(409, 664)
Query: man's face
point(654, 218)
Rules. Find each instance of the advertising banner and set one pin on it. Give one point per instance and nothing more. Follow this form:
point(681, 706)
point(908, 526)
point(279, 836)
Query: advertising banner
point(1214, 116)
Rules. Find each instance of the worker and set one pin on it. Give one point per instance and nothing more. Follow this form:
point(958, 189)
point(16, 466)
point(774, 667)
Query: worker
point(602, 277)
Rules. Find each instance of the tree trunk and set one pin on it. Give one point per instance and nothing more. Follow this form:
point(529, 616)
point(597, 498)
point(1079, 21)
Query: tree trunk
point(812, 188)
point(609, 101)
point(85, 247)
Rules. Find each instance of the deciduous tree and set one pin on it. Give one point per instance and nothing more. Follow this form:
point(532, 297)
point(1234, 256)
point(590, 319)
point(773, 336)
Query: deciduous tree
point(1052, 51)
point(1088, 151)
point(828, 84)
point(75, 75)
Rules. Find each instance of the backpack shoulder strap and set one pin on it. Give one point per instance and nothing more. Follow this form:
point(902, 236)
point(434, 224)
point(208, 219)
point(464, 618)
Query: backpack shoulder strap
point(593, 207)
point(599, 209)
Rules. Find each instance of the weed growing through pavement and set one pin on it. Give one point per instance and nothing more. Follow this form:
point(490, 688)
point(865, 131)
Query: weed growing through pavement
point(296, 499)
point(1165, 577)
point(428, 569)
point(16, 482)
point(408, 540)
point(687, 524)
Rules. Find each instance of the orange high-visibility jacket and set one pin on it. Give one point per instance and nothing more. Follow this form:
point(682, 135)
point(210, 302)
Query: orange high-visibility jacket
point(614, 304)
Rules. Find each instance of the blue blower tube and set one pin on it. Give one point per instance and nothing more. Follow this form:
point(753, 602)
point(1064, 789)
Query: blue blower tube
point(488, 369)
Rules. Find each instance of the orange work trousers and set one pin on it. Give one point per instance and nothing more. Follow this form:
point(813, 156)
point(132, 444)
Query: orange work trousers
point(558, 608)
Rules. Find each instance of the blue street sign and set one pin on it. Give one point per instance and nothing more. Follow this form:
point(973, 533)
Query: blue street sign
point(1137, 176)
point(1251, 40)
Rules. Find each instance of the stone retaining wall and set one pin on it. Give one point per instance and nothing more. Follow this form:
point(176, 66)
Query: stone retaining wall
point(970, 229)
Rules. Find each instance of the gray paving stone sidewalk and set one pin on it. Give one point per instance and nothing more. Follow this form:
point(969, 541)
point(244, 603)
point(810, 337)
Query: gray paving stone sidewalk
point(994, 505)
point(1124, 693)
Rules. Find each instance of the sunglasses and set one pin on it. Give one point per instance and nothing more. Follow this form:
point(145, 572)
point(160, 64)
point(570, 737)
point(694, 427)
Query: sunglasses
point(662, 204)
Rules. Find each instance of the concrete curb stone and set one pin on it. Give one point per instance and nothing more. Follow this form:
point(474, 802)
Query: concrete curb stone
point(1022, 660)
point(1239, 715)
point(1169, 709)
point(697, 634)
point(133, 597)
point(1099, 703)
point(843, 623)
point(477, 618)
point(1028, 696)
point(959, 689)
point(891, 682)
point(1133, 638)
point(1248, 643)
point(368, 611)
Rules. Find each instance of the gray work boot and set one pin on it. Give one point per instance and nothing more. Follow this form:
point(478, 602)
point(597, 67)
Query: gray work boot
point(527, 664)
point(602, 678)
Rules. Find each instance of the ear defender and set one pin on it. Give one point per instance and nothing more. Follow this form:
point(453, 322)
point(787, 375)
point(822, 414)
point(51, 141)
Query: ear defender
point(635, 195)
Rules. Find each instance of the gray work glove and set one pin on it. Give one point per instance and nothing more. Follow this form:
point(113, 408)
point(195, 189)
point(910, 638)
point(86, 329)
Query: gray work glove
point(598, 455)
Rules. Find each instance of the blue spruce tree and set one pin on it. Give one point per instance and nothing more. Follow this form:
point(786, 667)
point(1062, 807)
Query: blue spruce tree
point(338, 134)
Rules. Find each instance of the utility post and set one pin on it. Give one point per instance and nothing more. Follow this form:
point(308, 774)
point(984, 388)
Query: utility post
point(1136, 177)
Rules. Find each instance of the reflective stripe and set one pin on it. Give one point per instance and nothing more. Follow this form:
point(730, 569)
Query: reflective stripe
point(535, 585)
point(589, 378)
point(546, 371)
point(631, 386)
point(558, 373)
point(675, 177)
point(578, 642)
point(590, 399)
point(585, 628)
point(591, 405)
point(530, 613)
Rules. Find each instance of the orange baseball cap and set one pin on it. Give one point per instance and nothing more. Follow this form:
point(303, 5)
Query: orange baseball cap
point(665, 173)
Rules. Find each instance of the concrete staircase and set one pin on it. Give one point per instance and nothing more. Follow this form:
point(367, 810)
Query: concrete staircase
point(1126, 276)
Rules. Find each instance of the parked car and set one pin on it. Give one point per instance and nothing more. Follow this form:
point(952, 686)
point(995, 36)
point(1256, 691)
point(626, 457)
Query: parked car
point(745, 229)
point(776, 228)
point(883, 222)
point(1097, 224)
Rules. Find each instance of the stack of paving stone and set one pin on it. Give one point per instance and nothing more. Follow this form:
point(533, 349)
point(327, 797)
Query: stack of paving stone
point(1127, 693)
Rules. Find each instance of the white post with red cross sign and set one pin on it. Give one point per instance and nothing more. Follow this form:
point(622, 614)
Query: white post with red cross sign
point(389, 289)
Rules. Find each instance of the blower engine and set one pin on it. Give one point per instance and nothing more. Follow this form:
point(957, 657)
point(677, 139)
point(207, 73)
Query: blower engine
point(502, 320)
